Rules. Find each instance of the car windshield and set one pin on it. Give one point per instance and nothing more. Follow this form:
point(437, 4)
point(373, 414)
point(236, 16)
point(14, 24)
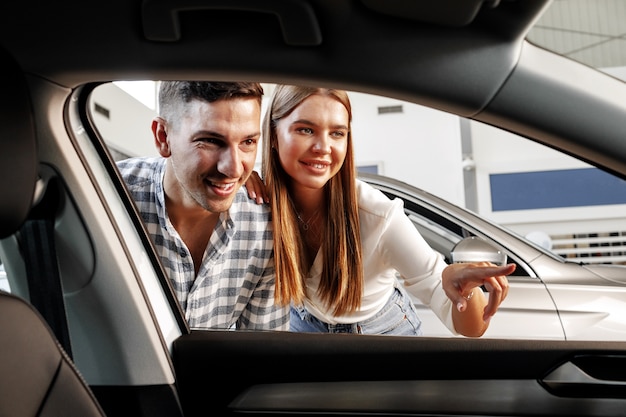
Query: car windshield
point(541, 207)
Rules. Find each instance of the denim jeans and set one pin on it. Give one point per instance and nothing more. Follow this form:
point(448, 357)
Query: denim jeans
point(397, 317)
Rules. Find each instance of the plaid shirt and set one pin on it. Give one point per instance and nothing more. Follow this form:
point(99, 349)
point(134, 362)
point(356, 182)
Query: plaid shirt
point(235, 283)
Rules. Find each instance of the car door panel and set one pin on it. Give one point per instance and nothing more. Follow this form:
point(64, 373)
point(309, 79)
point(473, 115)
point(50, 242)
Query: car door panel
point(516, 317)
point(261, 373)
point(590, 312)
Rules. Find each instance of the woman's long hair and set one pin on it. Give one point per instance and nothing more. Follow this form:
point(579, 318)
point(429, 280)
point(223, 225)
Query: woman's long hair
point(341, 284)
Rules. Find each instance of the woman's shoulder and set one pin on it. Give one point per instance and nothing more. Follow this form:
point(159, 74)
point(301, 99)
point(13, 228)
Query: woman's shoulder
point(372, 201)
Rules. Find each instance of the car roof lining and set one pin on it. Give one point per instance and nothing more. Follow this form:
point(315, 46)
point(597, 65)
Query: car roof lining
point(250, 45)
point(444, 12)
point(258, 44)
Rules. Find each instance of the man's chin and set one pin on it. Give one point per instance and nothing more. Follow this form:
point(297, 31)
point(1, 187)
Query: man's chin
point(218, 205)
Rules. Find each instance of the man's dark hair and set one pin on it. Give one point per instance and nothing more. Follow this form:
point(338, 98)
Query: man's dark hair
point(174, 93)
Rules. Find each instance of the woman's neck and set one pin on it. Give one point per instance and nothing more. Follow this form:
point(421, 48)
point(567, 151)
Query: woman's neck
point(307, 202)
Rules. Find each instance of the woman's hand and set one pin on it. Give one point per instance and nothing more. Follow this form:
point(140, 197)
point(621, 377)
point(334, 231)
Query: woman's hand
point(462, 280)
point(256, 188)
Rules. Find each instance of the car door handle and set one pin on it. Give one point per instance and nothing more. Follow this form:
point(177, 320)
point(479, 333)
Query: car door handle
point(297, 18)
point(589, 376)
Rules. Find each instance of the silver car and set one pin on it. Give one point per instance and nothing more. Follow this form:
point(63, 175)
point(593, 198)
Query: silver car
point(549, 298)
point(4, 282)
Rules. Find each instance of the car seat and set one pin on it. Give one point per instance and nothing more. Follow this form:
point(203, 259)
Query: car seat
point(37, 377)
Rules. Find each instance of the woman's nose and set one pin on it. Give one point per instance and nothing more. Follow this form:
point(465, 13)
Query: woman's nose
point(322, 144)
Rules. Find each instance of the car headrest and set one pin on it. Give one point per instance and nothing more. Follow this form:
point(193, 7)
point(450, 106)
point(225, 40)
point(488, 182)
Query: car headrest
point(18, 151)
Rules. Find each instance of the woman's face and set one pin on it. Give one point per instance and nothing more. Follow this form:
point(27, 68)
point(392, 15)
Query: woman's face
point(312, 141)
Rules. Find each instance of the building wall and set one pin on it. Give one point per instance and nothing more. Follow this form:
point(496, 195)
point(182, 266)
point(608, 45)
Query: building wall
point(123, 121)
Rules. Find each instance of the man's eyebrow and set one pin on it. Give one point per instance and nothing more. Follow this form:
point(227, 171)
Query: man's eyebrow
point(210, 133)
point(213, 134)
point(254, 135)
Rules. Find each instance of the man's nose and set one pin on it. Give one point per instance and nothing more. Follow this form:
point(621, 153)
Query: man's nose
point(230, 163)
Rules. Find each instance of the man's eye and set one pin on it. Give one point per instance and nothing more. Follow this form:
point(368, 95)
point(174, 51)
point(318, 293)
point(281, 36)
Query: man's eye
point(213, 141)
point(249, 144)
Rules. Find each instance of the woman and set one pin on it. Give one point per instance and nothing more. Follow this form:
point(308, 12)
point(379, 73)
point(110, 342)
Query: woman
point(338, 242)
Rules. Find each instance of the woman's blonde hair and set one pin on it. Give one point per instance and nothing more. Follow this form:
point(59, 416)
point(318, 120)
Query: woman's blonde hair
point(341, 283)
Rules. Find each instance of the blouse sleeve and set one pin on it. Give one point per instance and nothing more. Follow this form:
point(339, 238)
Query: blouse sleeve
point(419, 265)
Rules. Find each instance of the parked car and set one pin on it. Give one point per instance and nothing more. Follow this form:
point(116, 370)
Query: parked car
point(4, 282)
point(550, 297)
point(74, 248)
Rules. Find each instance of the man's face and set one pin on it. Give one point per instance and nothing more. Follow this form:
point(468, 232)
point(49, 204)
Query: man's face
point(212, 151)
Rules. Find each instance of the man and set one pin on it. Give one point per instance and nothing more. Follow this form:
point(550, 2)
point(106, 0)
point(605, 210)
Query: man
point(214, 242)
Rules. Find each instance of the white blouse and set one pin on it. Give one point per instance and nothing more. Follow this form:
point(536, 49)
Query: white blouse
point(390, 243)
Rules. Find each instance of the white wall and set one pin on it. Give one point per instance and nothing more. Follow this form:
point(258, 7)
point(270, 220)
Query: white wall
point(128, 127)
point(420, 146)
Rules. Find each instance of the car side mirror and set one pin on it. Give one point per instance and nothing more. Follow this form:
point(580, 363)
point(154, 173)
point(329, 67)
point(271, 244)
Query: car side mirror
point(476, 249)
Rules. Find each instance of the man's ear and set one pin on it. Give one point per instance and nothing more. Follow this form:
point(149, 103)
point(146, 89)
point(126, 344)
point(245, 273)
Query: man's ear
point(159, 131)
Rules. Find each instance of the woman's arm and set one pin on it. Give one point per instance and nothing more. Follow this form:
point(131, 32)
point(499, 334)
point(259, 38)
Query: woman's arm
point(462, 283)
point(426, 274)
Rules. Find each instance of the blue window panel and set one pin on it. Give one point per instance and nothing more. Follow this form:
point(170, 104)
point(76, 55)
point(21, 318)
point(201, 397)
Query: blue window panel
point(371, 169)
point(554, 189)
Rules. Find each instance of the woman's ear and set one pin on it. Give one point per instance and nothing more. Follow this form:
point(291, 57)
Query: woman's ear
point(159, 131)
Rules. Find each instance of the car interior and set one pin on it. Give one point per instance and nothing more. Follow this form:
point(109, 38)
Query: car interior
point(37, 376)
point(92, 327)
